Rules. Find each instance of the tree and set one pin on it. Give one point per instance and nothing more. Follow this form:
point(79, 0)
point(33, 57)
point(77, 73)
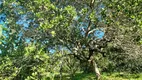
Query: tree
point(61, 28)
point(125, 17)
point(72, 24)
point(84, 28)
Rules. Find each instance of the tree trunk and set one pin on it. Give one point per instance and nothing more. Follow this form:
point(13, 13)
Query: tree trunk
point(90, 66)
point(98, 75)
point(94, 67)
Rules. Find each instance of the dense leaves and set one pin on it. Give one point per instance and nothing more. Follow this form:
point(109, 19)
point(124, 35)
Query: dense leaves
point(44, 39)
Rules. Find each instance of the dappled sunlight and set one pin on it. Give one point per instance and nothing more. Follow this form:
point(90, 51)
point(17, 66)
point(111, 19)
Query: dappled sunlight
point(70, 40)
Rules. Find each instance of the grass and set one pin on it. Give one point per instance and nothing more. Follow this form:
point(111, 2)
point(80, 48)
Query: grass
point(104, 76)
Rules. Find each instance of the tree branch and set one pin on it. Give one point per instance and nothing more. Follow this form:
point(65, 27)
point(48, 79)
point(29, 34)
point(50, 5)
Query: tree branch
point(89, 25)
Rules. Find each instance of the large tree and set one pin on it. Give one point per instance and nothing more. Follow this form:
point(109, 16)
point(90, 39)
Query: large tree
point(85, 28)
point(73, 24)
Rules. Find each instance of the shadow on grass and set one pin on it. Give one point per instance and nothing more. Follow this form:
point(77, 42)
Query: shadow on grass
point(127, 76)
point(78, 76)
point(84, 76)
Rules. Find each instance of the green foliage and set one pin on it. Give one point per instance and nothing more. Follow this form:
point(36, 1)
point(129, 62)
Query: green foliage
point(71, 10)
point(33, 64)
point(119, 50)
point(71, 65)
point(93, 16)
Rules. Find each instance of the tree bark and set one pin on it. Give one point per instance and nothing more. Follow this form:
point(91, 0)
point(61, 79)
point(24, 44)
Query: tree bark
point(93, 67)
point(98, 75)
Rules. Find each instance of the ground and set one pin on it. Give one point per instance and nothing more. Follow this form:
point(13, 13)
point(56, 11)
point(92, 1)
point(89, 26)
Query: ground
point(105, 76)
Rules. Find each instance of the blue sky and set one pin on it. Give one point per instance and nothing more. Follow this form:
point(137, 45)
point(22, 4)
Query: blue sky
point(23, 21)
point(2, 23)
point(99, 34)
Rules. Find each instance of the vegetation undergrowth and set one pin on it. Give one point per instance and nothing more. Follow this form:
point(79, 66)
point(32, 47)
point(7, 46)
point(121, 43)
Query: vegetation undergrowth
point(104, 76)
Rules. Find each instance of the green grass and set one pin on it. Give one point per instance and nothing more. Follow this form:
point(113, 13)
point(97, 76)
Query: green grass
point(121, 76)
point(104, 76)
